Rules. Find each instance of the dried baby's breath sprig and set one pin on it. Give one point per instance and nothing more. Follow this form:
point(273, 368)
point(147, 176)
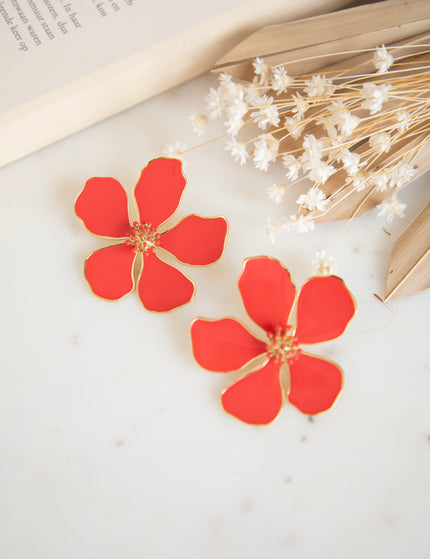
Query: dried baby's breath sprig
point(357, 130)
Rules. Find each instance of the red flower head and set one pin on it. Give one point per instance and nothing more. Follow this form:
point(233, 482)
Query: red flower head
point(324, 308)
point(102, 205)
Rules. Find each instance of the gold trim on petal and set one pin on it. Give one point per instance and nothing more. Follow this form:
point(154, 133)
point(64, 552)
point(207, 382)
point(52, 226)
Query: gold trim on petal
point(180, 198)
point(83, 223)
point(257, 357)
point(175, 308)
point(197, 265)
point(284, 397)
point(132, 275)
point(322, 358)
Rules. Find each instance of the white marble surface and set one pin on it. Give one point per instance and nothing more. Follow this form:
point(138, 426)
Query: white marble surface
point(113, 440)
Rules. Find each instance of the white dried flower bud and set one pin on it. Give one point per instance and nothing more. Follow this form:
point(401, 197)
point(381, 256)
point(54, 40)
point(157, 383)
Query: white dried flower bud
point(300, 224)
point(359, 181)
point(199, 122)
point(350, 161)
point(281, 80)
point(215, 103)
point(236, 109)
point(329, 123)
point(237, 106)
point(314, 199)
point(225, 80)
point(321, 172)
point(276, 193)
point(341, 118)
point(301, 105)
point(349, 124)
point(381, 142)
point(237, 150)
point(259, 101)
point(294, 127)
point(374, 95)
point(312, 147)
point(323, 264)
point(401, 174)
point(292, 166)
point(319, 86)
point(379, 180)
point(174, 150)
point(262, 70)
point(233, 125)
point(255, 95)
point(404, 119)
point(266, 116)
point(228, 89)
point(391, 208)
point(382, 60)
point(265, 150)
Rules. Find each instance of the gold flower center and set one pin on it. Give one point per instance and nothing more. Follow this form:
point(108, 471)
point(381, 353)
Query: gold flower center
point(143, 237)
point(282, 345)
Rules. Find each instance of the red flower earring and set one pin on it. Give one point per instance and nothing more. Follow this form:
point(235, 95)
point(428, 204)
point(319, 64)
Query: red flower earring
point(324, 309)
point(102, 205)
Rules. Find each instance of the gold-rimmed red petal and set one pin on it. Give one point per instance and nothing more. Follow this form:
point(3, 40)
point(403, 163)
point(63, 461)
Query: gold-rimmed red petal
point(109, 271)
point(103, 208)
point(324, 309)
point(315, 383)
point(159, 190)
point(224, 345)
point(257, 397)
point(163, 287)
point(267, 292)
point(196, 240)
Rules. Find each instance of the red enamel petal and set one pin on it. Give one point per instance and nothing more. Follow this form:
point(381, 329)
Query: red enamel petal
point(196, 240)
point(102, 206)
point(314, 383)
point(324, 308)
point(257, 397)
point(159, 190)
point(223, 345)
point(267, 292)
point(109, 271)
point(162, 287)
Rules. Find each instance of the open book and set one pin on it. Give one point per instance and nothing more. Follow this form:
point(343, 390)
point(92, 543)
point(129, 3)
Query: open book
point(66, 64)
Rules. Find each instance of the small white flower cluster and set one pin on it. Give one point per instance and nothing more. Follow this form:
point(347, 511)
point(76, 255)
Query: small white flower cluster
point(330, 130)
point(319, 87)
point(265, 150)
point(276, 193)
point(374, 96)
point(394, 177)
point(237, 150)
point(175, 150)
point(390, 208)
point(314, 199)
point(382, 60)
point(338, 120)
point(298, 223)
point(323, 264)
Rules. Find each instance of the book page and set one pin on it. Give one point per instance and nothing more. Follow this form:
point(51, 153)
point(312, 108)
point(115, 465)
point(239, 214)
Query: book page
point(47, 43)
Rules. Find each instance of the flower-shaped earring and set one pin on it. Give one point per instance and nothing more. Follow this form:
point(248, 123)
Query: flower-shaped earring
point(102, 205)
point(324, 309)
